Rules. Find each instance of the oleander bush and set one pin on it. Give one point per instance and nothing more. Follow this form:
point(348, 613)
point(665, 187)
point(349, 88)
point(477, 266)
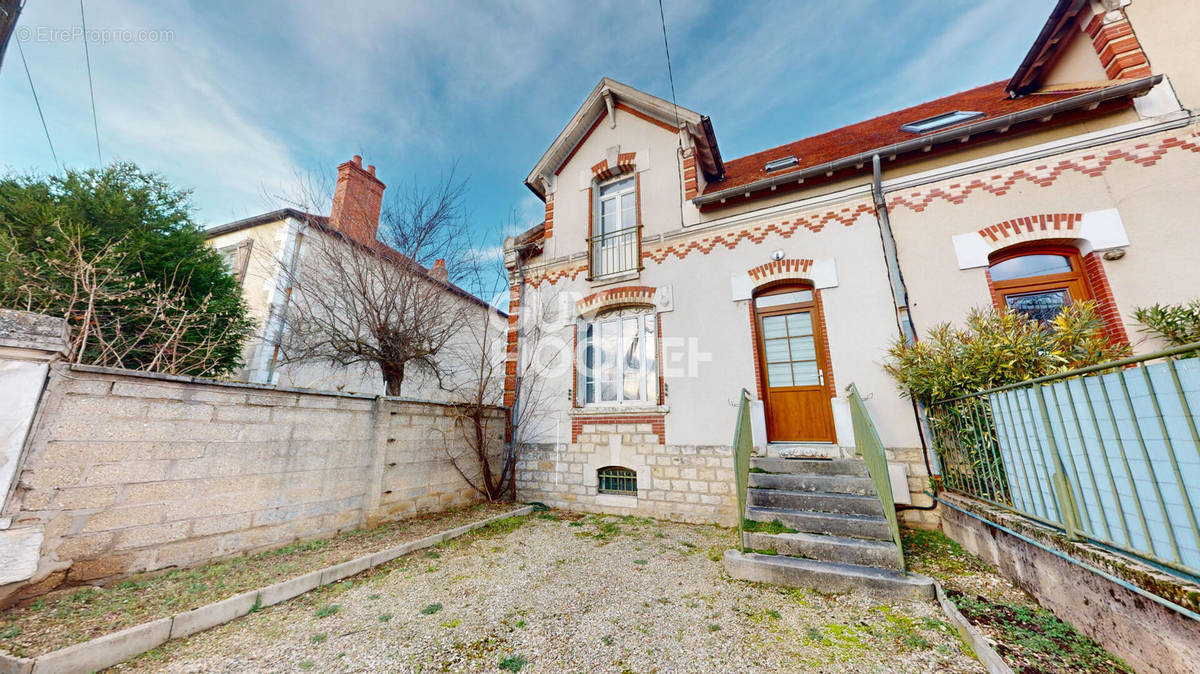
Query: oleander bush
point(1179, 324)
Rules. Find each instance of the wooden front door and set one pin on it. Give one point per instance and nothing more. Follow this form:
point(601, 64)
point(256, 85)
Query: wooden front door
point(792, 366)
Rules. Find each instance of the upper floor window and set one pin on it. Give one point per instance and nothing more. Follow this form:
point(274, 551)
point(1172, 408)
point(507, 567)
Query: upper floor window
point(619, 362)
point(1039, 282)
point(615, 243)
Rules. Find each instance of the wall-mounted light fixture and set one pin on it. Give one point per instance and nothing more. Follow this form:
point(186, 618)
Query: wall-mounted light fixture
point(777, 255)
point(1114, 254)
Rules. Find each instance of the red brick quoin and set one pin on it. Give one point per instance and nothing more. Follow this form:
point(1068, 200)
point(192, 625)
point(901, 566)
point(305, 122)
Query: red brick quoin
point(656, 420)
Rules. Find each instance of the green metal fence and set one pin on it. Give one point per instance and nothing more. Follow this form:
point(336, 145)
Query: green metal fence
point(866, 440)
point(743, 445)
point(1108, 453)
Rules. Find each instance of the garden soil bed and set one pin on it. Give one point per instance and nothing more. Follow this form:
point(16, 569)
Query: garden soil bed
point(1029, 638)
point(78, 614)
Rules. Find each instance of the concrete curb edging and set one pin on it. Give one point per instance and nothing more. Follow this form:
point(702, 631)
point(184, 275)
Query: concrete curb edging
point(983, 650)
point(117, 647)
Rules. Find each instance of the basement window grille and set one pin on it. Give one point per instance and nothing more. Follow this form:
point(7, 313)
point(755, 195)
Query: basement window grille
point(940, 121)
point(617, 480)
point(778, 164)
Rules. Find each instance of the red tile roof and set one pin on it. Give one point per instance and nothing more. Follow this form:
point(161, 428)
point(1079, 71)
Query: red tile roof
point(990, 99)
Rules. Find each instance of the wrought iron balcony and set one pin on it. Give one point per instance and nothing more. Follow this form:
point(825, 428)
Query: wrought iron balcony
point(615, 253)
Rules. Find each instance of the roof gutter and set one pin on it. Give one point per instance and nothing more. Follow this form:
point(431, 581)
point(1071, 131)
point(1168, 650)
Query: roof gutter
point(1131, 88)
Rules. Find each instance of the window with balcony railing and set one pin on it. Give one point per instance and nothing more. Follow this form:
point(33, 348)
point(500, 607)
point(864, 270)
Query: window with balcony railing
point(615, 245)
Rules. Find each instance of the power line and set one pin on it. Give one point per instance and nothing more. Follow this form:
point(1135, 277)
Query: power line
point(91, 90)
point(670, 76)
point(38, 104)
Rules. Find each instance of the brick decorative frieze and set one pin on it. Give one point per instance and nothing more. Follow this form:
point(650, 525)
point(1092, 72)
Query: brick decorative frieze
point(1092, 164)
point(781, 269)
point(1032, 228)
point(615, 297)
point(602, 171)
point(647, 423)
point(549, 228)
point(690, 185)
point(1118, 47)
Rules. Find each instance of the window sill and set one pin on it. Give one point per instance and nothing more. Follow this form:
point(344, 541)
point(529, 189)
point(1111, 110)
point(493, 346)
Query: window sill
point(617, 500)
point(615, 278)
point(617, 410)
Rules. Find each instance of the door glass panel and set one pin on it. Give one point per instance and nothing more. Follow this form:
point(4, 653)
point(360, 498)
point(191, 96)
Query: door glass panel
point(608, 361)
point(628, 210)
point(651, 358)
point(1040, 306)
point(777, 351)
point(631, 342)
point(608, 216)
point(803, 348)
point(799, 323)
point(779, 374)
point(589, 364)
point(805, 374)
point(1030, 265)
point(796, 297)
point(774, 326)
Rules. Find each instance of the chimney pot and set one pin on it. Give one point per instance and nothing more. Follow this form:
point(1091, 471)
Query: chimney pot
point(438, 270)
point(357, 160)
point(371, 169)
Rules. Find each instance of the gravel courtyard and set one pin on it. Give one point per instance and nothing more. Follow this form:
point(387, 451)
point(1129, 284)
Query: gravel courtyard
point(559, 592)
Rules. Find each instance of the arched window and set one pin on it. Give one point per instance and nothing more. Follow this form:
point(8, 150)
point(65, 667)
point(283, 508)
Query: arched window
point(1038, 282)
point(616, 480)
point(619, 362)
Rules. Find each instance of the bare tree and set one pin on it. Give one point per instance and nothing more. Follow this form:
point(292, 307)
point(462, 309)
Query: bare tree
point(486, 460)
point(385, 303)
point(116, 320)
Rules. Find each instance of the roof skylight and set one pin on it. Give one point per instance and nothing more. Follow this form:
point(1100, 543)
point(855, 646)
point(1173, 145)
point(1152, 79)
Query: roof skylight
point(940, 121)
point(785, 162)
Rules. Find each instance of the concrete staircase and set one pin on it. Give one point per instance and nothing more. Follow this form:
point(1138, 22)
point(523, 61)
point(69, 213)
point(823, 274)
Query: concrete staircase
point(842, 540)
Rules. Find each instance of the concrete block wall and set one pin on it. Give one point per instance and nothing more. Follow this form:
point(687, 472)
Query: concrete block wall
point(683, 483)
point(127, 471)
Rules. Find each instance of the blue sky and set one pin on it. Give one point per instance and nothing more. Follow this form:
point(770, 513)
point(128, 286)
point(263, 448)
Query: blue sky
point(237, 99)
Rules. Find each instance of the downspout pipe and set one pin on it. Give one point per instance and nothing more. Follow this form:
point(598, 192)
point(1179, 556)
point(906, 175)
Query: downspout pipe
point(900, 297)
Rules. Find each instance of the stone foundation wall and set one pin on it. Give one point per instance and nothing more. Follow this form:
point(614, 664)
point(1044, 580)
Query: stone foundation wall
point(683, 483)
point(126, 472)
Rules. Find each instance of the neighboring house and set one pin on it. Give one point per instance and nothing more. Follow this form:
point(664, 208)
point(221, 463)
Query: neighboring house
point(683, 277)
point(261, 250)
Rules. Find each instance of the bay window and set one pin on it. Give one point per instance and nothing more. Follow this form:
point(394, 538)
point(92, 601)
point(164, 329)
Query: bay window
point(619, 358)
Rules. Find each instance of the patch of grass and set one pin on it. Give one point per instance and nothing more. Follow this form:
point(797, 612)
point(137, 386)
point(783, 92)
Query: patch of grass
point(521, 623)
point(935, 554)
point(640, 562)
point(772, 613)
point(512, 663)
point(384, 617)
point(374, 597)
point(431, 609)
point(307, 664)
point(1033, 639)
point(756, 469)
point(608, 641)
point(327, 610)
point(52, 623)
point(319, 638)
point(714, 628)
point(773, 527)
point(451, 624)
point(432, 554)
point(10, 632)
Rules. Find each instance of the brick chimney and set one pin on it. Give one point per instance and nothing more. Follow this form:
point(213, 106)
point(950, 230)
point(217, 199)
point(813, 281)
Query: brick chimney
point(438, 270)
point(357, 200)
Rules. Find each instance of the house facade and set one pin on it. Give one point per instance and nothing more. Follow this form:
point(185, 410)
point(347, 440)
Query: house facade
point(675, 278)
point(267, 254)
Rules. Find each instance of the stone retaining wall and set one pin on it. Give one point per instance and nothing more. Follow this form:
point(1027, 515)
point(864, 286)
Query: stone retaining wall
point(126, 471)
